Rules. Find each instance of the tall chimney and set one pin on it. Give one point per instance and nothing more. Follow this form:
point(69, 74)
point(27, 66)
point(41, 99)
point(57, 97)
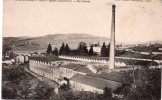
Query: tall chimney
point(112, 41)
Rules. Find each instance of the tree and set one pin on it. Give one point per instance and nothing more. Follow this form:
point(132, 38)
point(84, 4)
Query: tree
point(82, 49)
point(107, 93)
point(8, 93)
point(67, 49)
point(62, 49)
point(108, 49)
point(146, 87)
point(6, 48)
point(105, 50)
point(55, 52)
point(25, 88)
point(44, 91)
point(11, 55)
point(49, 49)
point(91, 51)
point(64, 87)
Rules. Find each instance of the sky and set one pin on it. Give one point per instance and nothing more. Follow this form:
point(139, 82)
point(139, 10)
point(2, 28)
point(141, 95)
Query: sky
point(136, 21)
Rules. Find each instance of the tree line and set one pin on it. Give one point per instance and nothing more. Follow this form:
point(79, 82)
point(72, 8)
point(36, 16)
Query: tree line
point(82, 50)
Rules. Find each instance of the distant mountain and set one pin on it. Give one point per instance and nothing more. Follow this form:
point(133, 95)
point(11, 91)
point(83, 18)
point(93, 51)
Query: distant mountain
point(56, 40)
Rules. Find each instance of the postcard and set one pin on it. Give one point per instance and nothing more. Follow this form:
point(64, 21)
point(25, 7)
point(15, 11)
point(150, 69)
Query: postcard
point(82, 49)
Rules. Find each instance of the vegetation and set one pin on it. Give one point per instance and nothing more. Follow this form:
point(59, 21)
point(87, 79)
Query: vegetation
point(147, 86)
point(55, 52)
point(14, 84)
point(91, 51)
point(105, 50)
point(107, 93)
point(83, 51)
point(44, 91)
point(80, 51)
point(6, 48)
point(62, 49)
point(49, 49)
point(67, 49)
point(66, 93)
point(17, 84)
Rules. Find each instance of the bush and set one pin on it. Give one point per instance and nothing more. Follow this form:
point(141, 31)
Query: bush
point(43, 91)
point(8, 93)
point(147, 85)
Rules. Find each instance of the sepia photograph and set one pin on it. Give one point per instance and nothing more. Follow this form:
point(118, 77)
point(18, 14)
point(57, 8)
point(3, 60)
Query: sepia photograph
point(81, 49)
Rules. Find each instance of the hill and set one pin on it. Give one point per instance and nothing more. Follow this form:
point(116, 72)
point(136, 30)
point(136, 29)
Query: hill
point(41, 43)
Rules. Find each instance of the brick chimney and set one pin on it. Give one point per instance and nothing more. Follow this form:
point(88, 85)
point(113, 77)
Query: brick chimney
point(112, 41)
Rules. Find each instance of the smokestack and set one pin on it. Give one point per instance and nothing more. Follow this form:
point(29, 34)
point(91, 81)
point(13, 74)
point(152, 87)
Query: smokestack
point(112, 41)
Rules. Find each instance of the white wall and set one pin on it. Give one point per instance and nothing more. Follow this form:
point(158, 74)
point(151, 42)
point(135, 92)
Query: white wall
point(20, 59)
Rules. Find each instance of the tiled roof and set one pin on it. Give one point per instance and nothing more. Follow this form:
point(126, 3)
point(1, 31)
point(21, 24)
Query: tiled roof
point(70, 66)
point(83, 69)
point(95, 82)
point(46, 58)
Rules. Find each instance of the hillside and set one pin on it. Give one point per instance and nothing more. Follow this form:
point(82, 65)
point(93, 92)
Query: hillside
point(41, 43)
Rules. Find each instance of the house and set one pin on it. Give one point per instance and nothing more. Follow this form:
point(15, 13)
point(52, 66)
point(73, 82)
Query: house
point(20, 59)
point(160, 49)
point(96, 48)
point(8, 62)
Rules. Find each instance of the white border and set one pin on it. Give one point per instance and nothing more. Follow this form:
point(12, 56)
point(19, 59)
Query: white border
point(1, 23)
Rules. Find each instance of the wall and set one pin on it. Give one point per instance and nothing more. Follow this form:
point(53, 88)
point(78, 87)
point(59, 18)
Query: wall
point(88, 59)
point(50, 71)
point(42, 68)
point(68, 73)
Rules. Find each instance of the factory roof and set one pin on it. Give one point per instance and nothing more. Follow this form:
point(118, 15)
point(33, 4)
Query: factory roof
point(95, 82)
point(46, 58)
point(76, 67)
point(83, 69)
point(70, 65)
